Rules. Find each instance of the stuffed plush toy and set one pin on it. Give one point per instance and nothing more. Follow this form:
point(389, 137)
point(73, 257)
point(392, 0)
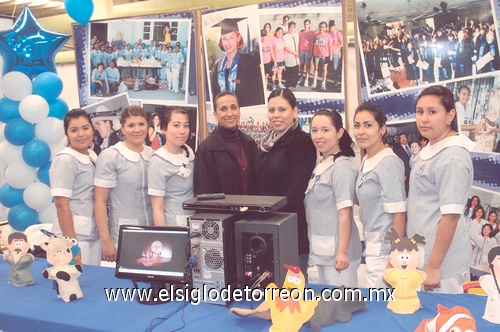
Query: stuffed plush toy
point(490, 284)
point(59, 254)
point(338, 310)
point(290, 311)
point(287, 309)
point(20, 260)
point(404, 276)
point(454, 319)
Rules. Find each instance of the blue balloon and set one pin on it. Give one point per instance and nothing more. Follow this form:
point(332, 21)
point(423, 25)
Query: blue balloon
point(28, 47)
point(21, 217)
point(36, 153)
point(48, 85)
point(79, 10)
point(9, 109)
point(19, 132)
point(10, 196)
point(43, 173)
point(58, 108)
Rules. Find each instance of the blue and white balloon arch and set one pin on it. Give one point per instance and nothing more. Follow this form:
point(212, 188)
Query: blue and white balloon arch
point(31, 126)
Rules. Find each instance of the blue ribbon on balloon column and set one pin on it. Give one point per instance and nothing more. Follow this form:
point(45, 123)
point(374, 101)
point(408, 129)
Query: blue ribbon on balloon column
point(28, 47)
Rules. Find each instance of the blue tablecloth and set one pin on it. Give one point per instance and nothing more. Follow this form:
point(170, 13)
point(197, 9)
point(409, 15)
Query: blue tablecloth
point(376, 317)
point(37, 308)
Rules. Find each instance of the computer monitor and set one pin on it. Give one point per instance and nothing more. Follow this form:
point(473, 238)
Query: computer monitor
point(152, 254)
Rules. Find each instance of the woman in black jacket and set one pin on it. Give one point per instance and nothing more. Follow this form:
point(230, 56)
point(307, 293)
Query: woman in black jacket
point(225, 159)
point(287, 160)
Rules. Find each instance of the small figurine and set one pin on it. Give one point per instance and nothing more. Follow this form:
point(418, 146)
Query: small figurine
point(340, 310)
point(19, 260)
point(455, 319)
point(490, 284)
point(60, 254)
point(288, 313)
point(404, 277)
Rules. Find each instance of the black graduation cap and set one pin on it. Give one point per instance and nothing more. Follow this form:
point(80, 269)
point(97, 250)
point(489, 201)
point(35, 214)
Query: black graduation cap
point(228, 25)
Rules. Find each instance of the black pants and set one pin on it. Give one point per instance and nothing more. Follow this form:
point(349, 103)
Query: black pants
point(291, 76)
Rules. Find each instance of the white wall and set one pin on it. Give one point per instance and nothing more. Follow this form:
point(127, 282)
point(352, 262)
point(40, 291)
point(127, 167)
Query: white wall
point(67, 72)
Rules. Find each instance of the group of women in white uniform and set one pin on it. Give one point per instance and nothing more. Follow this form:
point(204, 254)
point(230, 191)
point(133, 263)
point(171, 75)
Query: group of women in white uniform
point(114, 187)
point(140, 186)
point(439, 185)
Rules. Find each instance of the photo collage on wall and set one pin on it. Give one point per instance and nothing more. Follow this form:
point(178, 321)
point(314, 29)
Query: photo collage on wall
point(406, 48)
point(146, 61)
point(253, 50)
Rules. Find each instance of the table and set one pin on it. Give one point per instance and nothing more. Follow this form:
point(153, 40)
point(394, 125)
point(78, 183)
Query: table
point(376, 317)
point(139, 72)
point(37, 308)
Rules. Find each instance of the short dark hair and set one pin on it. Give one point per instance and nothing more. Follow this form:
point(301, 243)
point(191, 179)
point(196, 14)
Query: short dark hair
point(75, 114)
point(17, 236)
point(133, 110)
point(446, 98)
point(285, 93)
point(167, 116)
point(345, 141)
point(222, 94)
point(375, 110)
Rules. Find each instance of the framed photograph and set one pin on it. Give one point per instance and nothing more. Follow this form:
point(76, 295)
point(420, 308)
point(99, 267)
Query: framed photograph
point(105, 115)
point(409, 45)
point(478, 111)
point(147, 58)
point(232, 54)
point(310, 42)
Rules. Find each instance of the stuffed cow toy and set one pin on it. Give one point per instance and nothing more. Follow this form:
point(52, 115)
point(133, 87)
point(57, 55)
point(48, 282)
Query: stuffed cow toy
point(59, 255)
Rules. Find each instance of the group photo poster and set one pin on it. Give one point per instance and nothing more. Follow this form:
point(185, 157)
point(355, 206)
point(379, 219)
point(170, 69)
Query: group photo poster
point(407, 45)
point(149, 58)
point(311, 41)
point(253, 29)
point(406, 48)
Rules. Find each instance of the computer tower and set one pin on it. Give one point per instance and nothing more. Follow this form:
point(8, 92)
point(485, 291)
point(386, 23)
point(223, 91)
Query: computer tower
point(212, 242)
point(265, 242)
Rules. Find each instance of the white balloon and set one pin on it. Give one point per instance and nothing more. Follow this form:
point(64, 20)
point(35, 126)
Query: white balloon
point(55, 148)
point(4, 236)
point(34, 108)
point(2, 128)
point(37, 196)
point(50, 130)
point(48, 215)
point(10, 153)
point(19, 175)
point(16, 85)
